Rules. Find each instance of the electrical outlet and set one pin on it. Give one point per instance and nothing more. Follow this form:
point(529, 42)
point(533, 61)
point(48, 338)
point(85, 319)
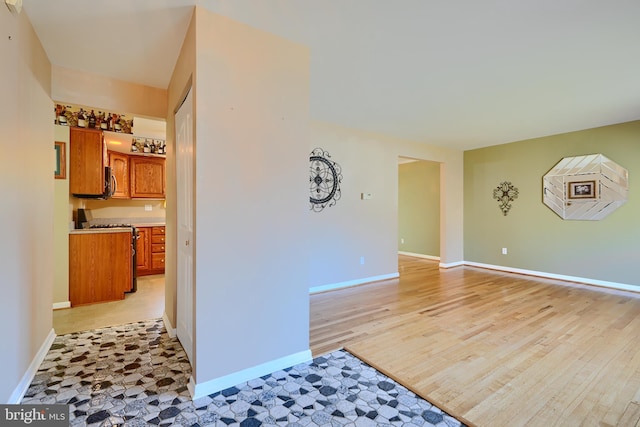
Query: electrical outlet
point(504, 251)
point(402, 241)
point(148, 207)
point(361, 260)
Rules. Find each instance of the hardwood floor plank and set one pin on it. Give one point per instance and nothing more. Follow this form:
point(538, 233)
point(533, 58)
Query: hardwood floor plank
point(493, 348)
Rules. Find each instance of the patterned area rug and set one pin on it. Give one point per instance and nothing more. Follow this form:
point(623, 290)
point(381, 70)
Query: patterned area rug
point(135, 375)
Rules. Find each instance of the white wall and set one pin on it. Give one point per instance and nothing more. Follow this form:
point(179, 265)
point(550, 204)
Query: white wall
point(87, 89)
point(251, 102)
point(355, 228)
point(26, 216)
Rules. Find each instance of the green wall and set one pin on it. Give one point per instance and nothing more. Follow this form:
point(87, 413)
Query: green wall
point(536, 238)
point(419, 207)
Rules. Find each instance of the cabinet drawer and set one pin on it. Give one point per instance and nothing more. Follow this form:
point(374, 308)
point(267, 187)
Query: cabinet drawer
point(157, 261)
point(157, 230)
point(157, 248)
point(155, 238)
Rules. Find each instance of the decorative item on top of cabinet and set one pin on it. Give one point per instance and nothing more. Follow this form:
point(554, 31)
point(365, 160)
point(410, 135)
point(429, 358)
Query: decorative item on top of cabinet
point(151, 250)
point(147, 177)
point(120, 169)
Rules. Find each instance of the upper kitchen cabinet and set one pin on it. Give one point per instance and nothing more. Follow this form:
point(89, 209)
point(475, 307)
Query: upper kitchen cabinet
point(120, 169)
point(147, 177)
point(87, 161)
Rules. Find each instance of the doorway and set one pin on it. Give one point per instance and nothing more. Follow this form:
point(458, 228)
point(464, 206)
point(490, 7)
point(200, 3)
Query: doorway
point(419, 208)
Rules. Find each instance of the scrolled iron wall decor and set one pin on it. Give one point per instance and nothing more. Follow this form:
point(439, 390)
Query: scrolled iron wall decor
point(325, 177)
point(505, 193)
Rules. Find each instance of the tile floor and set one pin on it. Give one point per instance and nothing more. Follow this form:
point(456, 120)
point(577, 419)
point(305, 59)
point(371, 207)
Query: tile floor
point(135, 375)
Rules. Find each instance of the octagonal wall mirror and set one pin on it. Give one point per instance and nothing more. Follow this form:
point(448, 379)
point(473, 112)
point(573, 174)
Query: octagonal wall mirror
point(586, 187)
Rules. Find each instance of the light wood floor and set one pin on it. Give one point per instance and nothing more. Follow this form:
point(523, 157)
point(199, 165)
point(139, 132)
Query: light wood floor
point(493, 349)
point(147, 303)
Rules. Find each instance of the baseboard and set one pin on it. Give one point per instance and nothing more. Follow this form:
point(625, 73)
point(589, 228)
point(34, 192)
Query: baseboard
point(171, 331)
point(218, 384)
point(431, 257)
point(451, 264)
point(27, 378)
point(348, 283)
point(582, 280)
point(61, 305)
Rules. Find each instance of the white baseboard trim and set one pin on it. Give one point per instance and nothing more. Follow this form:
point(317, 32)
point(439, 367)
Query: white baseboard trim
point(23, 385)
point(581, 280)
point(60, 305)
point(431, 257)
point(218, 384)
point(348, 283)
point(171, 331)
point(451, 264)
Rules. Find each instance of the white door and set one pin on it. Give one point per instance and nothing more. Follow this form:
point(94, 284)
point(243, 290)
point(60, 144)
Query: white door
point(184, 180)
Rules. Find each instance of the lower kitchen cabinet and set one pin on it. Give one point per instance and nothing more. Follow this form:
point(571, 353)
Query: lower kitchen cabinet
point(99, 267)
point(151, 250)
point(143, 256)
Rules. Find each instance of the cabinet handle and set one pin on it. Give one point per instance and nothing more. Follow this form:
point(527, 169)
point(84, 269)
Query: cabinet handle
point(115, 185)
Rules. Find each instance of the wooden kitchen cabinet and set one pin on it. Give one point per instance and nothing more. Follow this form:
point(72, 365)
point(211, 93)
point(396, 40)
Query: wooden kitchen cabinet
point(143, 253)
point(157, 248)
point(87, 160)
point(151, 248)
point(147, 177)
point(119, 163)
point(99, 267)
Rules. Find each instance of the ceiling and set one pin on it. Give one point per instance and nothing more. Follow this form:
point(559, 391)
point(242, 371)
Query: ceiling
point(458, 73)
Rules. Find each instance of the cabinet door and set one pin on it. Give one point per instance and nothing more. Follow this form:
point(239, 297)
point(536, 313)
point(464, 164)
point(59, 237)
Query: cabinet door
point(86, 162)
point(143, 250)
point(120, 169)
point(147, 177)
point(99, 267)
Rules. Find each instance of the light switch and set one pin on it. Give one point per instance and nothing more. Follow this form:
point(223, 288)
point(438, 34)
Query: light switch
point(366, 196)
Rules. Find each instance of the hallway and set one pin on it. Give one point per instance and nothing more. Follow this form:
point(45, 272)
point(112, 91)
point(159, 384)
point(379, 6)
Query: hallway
point(145, 304)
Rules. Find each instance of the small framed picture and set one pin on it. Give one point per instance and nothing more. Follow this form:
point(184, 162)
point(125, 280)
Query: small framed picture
point(60, 171)
point(582, 190)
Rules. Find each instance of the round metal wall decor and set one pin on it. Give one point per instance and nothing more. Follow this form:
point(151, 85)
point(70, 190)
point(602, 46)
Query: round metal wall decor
point(325, 177)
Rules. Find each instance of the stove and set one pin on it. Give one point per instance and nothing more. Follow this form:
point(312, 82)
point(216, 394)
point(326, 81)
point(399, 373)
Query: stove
point(111, 226)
